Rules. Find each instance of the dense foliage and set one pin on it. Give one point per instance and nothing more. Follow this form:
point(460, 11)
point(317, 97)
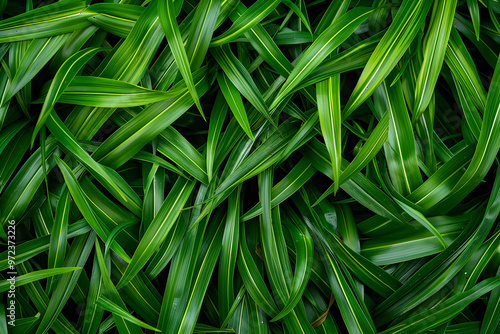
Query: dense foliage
point(277, 166)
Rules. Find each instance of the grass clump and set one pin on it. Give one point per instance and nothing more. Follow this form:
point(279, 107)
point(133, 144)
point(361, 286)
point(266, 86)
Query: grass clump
point(250, 167)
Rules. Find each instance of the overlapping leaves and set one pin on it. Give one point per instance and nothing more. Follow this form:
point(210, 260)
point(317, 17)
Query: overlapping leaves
point(275, 166)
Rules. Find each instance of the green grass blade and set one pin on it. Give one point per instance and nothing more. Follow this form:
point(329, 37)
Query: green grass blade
point(201, 31)
point(116, 18)
point(328, 41)
point(84, 207)
point(254, 283)
point(369, 150)
point(304, 248)
point(38, 54)
point(108, 305)
point(241, 79)
point(422, 220)
point(173, 35)
point(157, 231)
point(202, 279)
point(229, 252)
point(233, 99)
point(389, 51)
point(330, 120)
point(77, 256)
point(491, 315)
point(486, 148)
point(171, 244)
point(474, 13)
point(110, 292)
point(93, 313)
point(400, 146)
point(27, 180)
point(445, 311)
point(177, 148)
point(59, 232)
point(355, 318)
point(464, 70)
point(252, 16)
point(291, 183)
point(46, 21)
point(435, 44)
point(108, 177)
point(109, 93)
point(36, 276)
point(217, 118)
point(61, 81)
point(131, 138)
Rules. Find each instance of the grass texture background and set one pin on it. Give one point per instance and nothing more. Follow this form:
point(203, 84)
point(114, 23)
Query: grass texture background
point(269, 166)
